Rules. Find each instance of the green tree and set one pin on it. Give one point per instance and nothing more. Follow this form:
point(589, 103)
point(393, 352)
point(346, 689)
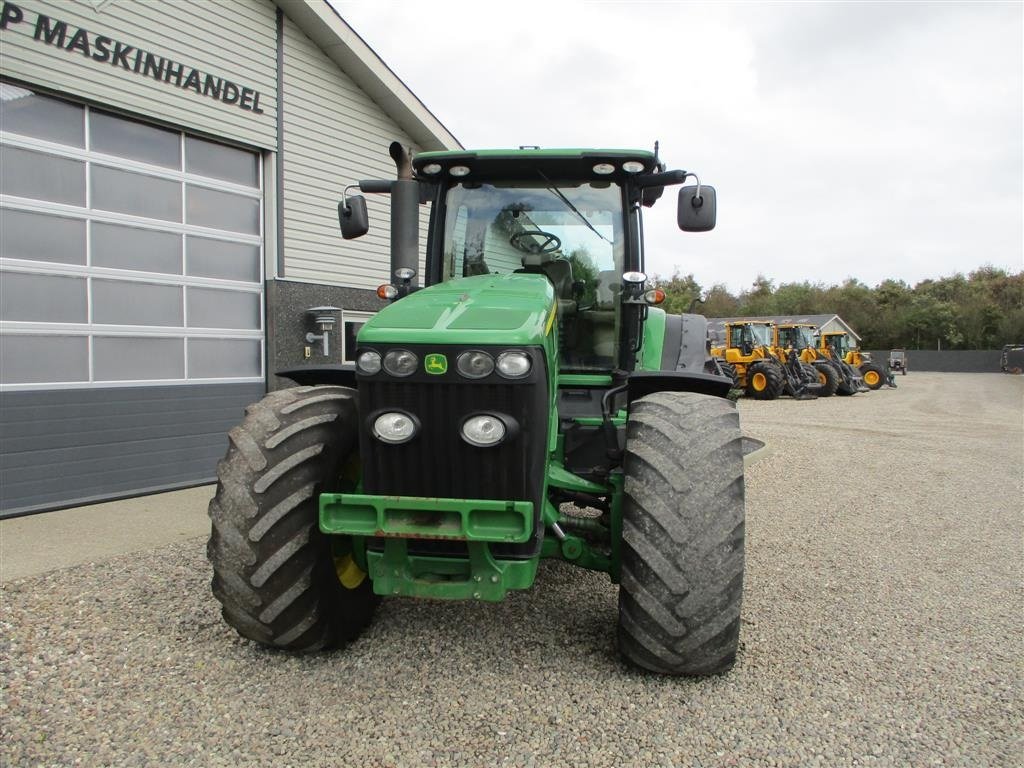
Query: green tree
point(680, 292)
point(719, 302)
point(760, 299)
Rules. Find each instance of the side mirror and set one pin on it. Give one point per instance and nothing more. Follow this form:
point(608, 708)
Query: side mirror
point(696, 214)
point(353, 218)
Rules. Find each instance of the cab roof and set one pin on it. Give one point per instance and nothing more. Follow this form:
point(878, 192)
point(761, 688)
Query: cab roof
point(514, 164)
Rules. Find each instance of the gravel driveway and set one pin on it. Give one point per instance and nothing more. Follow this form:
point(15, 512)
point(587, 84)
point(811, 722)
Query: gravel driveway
point(882, 626)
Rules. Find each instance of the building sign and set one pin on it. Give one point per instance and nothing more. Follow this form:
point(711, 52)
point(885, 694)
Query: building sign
point(100, 49)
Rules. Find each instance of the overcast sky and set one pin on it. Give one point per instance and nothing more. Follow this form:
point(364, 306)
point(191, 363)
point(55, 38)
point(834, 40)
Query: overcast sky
point(865, 140)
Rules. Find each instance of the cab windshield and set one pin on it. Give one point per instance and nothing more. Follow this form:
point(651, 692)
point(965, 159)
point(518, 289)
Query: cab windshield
point(754, 335)
point(798, 337)
point(840, 343)
point(492, 228)
point(571, 232)
point(762, 335)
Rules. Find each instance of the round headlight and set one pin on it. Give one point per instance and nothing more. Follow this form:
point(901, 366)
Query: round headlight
point(604, 169)
point(634, 277)
point(368, 362)
point(459, 170)
point(400, 362)
point(513, 364)
point(404, 273)
point(632, 166)
point(483, 431)
point(394, 427)
point(475, 365)
point(431, 168)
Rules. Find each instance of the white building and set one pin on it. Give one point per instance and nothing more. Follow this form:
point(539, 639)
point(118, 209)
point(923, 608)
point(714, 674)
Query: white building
point(169, 180)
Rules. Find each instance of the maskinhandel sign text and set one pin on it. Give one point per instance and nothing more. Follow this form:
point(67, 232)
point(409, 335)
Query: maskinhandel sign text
point(105, 50)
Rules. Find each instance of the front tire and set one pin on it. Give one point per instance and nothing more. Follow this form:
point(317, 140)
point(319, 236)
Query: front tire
point(828, 377)
point(274, 573)
point(683, 532)
point(873, 375)
point(764, 382)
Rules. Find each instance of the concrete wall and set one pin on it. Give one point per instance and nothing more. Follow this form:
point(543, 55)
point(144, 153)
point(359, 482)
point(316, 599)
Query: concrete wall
point(952, 361)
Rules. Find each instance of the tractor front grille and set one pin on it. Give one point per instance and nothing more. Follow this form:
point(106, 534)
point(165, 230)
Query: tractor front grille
point(438, 462)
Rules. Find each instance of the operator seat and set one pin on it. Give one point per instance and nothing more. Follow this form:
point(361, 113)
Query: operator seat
point(558, 272)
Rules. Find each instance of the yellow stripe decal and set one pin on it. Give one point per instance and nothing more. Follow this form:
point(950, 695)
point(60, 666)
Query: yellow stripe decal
point(551, 318)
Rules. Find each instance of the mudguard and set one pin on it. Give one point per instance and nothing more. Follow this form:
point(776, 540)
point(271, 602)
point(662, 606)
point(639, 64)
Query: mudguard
point(642, 383)
point(343, 374)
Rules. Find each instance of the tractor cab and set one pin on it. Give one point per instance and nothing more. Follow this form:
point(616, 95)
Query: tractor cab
point(750, 337)
point(798, 337)
point(840, 342)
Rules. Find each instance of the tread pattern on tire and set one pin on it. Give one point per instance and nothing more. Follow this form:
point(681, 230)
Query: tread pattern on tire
point(776, 382)
point(273, 571)
point(831, 378)
point(683, 532)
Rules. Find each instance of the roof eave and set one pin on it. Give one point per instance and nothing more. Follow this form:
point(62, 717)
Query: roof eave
point(361, 63)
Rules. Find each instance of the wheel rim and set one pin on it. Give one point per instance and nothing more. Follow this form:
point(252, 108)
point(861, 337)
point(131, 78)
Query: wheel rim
point(759, 382)
point(871, 378)
point(349, 574)
point(822, 378)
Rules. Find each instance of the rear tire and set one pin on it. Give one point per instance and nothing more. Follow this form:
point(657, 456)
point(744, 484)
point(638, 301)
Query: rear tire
point(274, 572)
point(829, 378)
point(683, 531)
point(873, 375)
point(764, 381)
point(729, 370)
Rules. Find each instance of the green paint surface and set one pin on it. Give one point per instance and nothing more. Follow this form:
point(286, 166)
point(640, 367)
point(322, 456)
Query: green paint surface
point(654, 340)
point(358, 514)
point(486, 309)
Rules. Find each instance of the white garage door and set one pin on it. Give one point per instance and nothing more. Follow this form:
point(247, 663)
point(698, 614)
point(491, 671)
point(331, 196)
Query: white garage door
point(130, 253)
point(130, 257)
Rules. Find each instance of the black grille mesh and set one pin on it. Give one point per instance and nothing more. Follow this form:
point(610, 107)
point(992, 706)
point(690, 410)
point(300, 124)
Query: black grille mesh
point(438, 462)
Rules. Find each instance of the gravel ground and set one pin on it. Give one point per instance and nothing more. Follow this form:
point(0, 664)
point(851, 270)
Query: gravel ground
point(882, 627)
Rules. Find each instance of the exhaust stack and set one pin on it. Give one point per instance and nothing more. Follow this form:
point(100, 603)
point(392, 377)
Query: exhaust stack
point(405, 215)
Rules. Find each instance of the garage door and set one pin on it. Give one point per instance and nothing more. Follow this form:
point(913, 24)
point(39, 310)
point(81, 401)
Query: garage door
point(131, 301)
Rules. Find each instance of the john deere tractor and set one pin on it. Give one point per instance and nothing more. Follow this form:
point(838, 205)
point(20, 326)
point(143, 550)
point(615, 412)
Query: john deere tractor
point(871, 374)
point(523, 398)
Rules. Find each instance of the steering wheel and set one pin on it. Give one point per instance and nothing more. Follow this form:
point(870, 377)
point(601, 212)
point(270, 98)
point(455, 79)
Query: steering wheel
point(550, 243)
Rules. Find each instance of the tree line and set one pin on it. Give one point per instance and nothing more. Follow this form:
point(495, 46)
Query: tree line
point(983, 310)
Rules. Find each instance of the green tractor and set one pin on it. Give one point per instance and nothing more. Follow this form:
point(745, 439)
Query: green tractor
point(528, 401)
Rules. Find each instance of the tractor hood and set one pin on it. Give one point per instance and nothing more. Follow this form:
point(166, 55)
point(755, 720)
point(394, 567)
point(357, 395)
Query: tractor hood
point(488, 309)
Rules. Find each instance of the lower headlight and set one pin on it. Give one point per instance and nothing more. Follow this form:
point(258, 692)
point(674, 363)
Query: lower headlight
point(513, 364)
point(394, 427)
point(483, 431)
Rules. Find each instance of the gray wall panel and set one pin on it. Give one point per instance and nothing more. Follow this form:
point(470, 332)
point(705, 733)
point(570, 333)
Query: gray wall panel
point(950, 361)
point(61, 448)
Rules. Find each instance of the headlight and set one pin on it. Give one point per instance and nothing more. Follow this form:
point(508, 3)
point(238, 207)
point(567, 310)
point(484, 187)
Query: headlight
point(394, 427)
point(513, 364)
point(368, 362)
point(400, 362)
point(475, 365)
point(483, 431)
